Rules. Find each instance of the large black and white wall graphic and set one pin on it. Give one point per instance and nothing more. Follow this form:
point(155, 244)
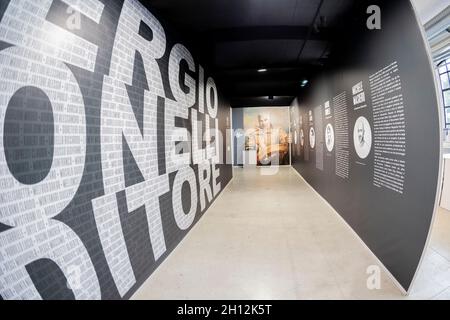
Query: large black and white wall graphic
point(110, 147)
point(379, 114)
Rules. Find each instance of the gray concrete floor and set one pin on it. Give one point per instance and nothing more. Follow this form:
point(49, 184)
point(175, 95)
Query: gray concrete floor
point(273, 237)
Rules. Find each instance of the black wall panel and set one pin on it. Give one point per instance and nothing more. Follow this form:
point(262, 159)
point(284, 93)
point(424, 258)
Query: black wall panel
point(378, 162)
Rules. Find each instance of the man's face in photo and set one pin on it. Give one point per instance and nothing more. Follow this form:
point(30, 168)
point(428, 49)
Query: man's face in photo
point(361, 131)
point(264, 121)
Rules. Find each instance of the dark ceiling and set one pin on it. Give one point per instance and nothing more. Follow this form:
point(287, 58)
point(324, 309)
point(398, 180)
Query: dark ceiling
point(292, 39)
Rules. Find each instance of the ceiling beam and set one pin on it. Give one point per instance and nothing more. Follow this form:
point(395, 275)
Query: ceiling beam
point(310, 32)
point(264, 91)
point(265, 33)
point(253, 69)
point(260, 101)
point(266, 77)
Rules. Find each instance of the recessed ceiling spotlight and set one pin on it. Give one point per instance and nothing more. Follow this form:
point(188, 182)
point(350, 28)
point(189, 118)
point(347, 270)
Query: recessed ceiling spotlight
point(262, 70)
point(304, 83)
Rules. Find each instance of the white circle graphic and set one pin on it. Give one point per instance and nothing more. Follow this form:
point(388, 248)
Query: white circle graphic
point(362, 137)
point(312, 138)
point(329, 137)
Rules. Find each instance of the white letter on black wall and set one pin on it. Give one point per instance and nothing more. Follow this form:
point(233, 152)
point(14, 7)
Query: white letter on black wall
point(118, 122)
point(29, 209)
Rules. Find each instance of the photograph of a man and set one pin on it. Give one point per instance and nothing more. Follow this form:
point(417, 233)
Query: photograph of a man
point(362, 137)
point(312, 138)
point(329, 137)
point(267, 134)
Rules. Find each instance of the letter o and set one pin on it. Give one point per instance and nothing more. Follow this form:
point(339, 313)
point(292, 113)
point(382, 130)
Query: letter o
point(184, 220)
point(67, 167)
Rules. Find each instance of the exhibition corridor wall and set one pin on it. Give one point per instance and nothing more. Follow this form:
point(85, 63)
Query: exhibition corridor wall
point(369, 135)
point(110, 147)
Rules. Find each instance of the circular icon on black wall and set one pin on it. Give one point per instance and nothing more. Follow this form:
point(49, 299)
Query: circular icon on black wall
point(362, 137)
point(329, 137)
point(312, 138)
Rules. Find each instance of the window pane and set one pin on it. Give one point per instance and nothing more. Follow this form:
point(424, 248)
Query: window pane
point(444, 81)
point(447, 98)
point(447, 115)
point(442, 69)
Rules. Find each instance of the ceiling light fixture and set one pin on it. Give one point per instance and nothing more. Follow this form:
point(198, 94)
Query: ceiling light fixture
point(304, 83)
point(262, 70)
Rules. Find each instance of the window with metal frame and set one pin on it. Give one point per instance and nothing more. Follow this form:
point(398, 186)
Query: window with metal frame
point(444, 76)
